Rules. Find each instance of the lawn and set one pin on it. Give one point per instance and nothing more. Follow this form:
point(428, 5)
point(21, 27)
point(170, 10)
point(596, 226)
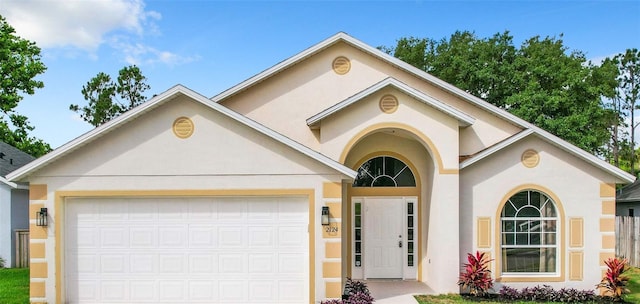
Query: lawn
point(633, 297)
point(14, 285)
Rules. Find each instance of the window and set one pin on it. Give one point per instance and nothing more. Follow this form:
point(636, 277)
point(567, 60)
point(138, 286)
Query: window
point(630, 211)
point(529, 238)
point(384, 171)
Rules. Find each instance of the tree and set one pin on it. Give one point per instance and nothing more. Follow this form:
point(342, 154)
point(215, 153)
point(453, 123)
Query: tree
point(107, 99)
point(540, 81)
point(19, 64)
point(628, 93)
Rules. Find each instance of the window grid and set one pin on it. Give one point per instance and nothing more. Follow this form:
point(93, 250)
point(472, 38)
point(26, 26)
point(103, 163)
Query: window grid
point(529, 222)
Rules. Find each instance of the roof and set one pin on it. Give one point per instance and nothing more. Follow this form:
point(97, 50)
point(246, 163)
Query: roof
point(447, 87)
point(158, 100)
point(629, 193)
point(11, 158)
point(463, 118)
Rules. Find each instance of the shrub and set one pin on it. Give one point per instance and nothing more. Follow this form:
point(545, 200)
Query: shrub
point(614, 283)
point(546, 293)
point(355, 292)
point(476, 275)
point(1, 262)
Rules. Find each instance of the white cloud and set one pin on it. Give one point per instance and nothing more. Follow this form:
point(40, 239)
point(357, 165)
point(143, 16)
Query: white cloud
point(87, 25)
point(140, 54)
point(80, 24)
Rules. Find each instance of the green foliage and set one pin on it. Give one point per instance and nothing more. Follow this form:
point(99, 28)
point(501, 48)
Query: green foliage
point(628, 94)
point(108, 99)
point(14, 285)
point(20, 63)
point(476, 275)
point(539, 81)
point(614, 282)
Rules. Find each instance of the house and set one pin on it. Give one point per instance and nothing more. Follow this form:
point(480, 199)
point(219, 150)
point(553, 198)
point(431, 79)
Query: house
point(628, 200)
point(340, 161)
point(14, 202)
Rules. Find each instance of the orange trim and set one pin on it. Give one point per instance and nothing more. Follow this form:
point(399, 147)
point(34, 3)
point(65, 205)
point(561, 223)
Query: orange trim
point(426, 142)
point(38, 192)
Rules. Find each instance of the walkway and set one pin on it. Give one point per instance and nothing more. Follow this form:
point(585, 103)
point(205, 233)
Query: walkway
point(396, 291)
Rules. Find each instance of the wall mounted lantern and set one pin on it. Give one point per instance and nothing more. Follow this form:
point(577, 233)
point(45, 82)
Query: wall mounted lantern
point(41, 217)
point(324, 218)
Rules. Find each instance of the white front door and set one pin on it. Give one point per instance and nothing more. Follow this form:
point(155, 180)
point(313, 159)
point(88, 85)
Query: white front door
point(383, 236)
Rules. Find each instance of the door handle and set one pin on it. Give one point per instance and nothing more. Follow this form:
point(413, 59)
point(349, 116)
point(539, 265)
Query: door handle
point(399, 244)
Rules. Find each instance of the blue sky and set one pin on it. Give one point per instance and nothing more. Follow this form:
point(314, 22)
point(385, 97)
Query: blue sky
point(210, 46)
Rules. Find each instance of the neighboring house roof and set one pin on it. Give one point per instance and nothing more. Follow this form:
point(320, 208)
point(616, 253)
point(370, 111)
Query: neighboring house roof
point(463, 118)
point(157, 101)
point(478, 102)
point(12, 158)
point(629, 193)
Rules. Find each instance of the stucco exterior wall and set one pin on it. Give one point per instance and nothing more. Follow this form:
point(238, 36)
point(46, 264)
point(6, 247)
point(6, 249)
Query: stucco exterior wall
point(575, 184)
point(146, 158)
point(285, 102)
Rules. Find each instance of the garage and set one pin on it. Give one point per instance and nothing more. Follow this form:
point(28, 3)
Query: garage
point(186, 250)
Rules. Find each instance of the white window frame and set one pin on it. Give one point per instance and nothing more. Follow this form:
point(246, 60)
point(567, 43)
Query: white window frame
point(541, 219)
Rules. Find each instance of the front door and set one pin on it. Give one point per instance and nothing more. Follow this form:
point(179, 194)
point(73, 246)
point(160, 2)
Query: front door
point(383, 237)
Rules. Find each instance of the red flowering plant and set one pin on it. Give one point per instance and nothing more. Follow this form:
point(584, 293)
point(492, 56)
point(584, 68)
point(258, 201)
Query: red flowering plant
point(476, 275)
point(614, 283)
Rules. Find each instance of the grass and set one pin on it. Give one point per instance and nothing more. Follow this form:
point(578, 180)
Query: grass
point(633, 297)
point(634, 285)
point(14, 285)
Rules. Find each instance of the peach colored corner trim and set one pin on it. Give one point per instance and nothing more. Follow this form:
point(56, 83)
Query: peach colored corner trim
point(38, 192)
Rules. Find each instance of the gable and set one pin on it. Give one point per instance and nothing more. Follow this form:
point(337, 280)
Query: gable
point(284, 96)
point(304, 85)
point(142, 142)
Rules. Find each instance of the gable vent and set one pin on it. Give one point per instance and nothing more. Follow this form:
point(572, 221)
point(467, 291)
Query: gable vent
point(183, 127)
point(530, 158)
point(388, 104)
point(341, 65)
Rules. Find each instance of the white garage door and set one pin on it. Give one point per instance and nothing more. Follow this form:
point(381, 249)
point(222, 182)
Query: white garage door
point(186, 250)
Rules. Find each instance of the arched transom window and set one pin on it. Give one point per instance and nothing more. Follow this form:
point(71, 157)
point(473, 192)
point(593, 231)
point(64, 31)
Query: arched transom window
point(529, 234)
point(384, 171)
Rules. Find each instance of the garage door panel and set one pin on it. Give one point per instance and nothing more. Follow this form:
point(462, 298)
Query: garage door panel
point(142, 237)
point(115, 291)
point(143, 290)
point(203, 263)
point(172, 236)
point(186, 250)
point(203, 291)
point(143, 263)
point(231, 237)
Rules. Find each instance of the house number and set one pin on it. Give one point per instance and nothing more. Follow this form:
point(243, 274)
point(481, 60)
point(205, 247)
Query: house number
point(331, 229)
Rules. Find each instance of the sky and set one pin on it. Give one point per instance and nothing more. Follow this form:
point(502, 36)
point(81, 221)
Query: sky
point(210, 46)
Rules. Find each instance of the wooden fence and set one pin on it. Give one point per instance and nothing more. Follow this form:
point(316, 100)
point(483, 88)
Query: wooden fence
point(628, 239)
point(22, 248)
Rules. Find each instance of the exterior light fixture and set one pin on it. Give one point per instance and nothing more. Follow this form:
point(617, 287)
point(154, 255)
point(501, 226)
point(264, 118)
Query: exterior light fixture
point(324, 218)
point(41, 217)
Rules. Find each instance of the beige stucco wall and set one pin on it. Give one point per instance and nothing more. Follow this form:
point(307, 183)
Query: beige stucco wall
point(284, 102)
point(576, 185)
point(221, 157)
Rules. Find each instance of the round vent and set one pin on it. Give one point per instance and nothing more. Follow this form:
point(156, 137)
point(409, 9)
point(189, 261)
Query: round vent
point(341, 65)
point(388, 104)
point(530, 158)
point(183, 127)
